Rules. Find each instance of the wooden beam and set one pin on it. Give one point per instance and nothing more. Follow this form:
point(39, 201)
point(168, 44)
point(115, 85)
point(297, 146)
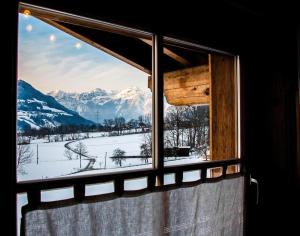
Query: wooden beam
point(186, 87)
point(58, 16)
point(190, 91)
point(54, 183)
point(188, 95)
point(188, 101)
point(170, 53)
point(94, 44)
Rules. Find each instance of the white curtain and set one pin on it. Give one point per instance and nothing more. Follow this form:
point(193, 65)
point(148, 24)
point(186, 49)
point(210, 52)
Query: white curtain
point(206, 209)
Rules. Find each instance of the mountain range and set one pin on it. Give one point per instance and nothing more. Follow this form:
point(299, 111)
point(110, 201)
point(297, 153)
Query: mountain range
point(100, 104)
point(37, 110)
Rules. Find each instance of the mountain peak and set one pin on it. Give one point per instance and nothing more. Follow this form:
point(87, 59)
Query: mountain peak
point(130, 93)
point(100, 104)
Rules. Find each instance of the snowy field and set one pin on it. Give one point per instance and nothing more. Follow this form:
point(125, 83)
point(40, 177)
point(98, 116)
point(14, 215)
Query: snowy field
point(49, 160)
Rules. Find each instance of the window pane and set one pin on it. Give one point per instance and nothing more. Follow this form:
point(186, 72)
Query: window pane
point(84, 106)
point(135, 184)
point(186, 106)
point(96, 189)
point(56, 194)
point(189, 176)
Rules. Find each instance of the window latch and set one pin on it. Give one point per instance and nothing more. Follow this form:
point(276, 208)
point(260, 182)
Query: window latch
point(254, 181)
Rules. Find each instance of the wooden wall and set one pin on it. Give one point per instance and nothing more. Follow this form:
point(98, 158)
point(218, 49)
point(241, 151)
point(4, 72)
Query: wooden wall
point(223, 128)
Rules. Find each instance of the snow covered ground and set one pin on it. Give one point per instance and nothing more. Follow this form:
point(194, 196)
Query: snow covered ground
point(49, 160)
point(104, 146)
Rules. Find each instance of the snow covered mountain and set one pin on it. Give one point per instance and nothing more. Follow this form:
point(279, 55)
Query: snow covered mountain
point(37, 110)
point(100, 104)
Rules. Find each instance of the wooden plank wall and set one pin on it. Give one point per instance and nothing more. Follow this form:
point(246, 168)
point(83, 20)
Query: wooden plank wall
point(223, 108)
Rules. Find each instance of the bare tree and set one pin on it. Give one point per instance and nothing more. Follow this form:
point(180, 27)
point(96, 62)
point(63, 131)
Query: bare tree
point(47, 129)
point(118, 156)
point(56, 138)
point(173, 123)
point(108, 124)
point(132, 124)
point(202, 142)
point(22, 139)
point(197, 126)
point(24, 155)
point(74, 136)
point(68, 153)
point(81, 150)
point(120, 124)
point(146, 147)
point(61, 131)
point(28, 135)
point(148, 119)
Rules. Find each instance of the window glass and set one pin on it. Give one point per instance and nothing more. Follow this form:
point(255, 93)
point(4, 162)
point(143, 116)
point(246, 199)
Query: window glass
point(186, 106)
point(83, 102)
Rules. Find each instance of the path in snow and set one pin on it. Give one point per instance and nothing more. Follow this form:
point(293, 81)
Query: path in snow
point(91, 159)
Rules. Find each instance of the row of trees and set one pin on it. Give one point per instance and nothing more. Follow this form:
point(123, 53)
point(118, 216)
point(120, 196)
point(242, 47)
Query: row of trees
point(183, 126)
point(117, 126)
point(120, 126)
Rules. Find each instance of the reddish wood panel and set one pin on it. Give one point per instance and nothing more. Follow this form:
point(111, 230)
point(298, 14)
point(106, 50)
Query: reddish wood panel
point(223, 123)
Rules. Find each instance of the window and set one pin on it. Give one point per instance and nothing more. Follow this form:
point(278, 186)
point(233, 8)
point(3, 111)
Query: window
point(96, 99)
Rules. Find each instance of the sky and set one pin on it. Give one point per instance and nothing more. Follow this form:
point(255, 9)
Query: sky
point(51, 60)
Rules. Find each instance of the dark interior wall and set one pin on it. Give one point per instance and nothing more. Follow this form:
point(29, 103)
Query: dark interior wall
point(270, 110)
point(8, 96)
point(267, 44)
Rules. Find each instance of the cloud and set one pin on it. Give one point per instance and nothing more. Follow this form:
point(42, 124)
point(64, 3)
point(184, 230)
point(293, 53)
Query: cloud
point(77, 73)
point(59, 66)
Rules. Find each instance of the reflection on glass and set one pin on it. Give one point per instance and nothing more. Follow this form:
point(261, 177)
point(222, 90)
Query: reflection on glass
point(186, 106)
point(186, 132)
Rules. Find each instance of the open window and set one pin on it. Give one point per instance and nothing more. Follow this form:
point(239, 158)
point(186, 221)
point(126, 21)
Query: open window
point(103, 108)
point(200, 104)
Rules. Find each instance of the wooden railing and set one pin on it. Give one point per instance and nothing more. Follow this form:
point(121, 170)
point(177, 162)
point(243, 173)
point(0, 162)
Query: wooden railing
point(34, 188)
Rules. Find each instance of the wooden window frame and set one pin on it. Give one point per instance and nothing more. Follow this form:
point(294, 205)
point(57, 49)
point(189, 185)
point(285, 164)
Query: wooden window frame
point(155, 175)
